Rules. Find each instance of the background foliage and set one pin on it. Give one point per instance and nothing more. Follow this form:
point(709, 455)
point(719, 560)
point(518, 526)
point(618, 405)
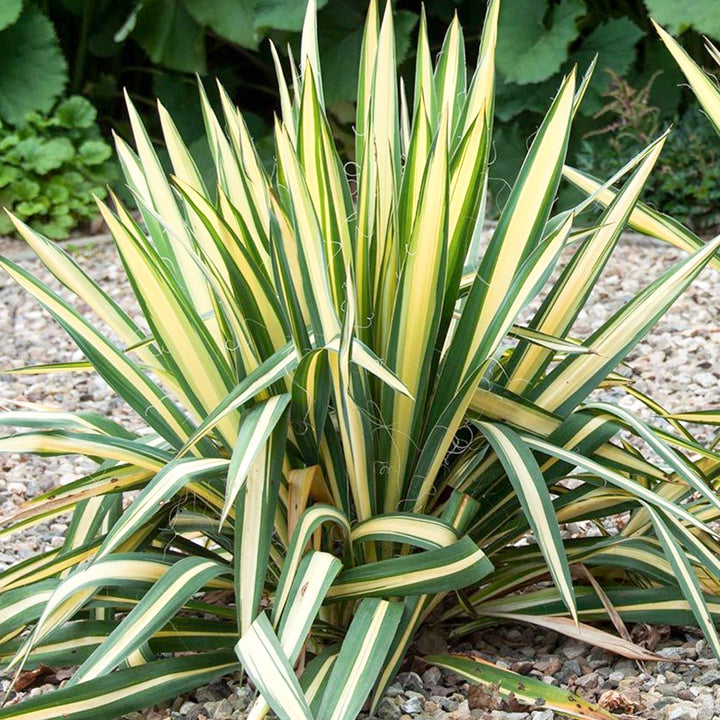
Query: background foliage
point(50, 167)
point(154, 48)
point(686, 181)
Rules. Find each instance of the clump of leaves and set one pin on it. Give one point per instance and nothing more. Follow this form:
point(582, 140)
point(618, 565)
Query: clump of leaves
point(34, 71)
point(686, 181)
point(347, 427)
point(51, 166)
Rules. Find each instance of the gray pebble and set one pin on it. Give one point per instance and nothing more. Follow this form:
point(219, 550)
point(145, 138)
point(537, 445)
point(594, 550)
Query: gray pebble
point(224, 710)
point(543, 715)
point(431, 677)
point(387, 709)
point(413, 706)
point(448, 704)
point(411, 681)
point(681, 711)
point(711, 677)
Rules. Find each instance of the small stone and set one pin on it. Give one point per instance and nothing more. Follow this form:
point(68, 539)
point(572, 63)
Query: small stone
point(419, 695)
point(411, 681)
point(224, 710)
point(394, 690)
point(242, 698)
point(615, 677)
point(549, 665)
point(706, 380)
point(431, 677)
point(570, 668)
point(543, 715)
point(672, 652)
point(572, 650)
point(448, 704)
point(198, 712)
point(681, 711)
point(462, 712)
point(523, 667)
point(412, 706)
point(589, 681)
point(388, 710)
point(711, 677)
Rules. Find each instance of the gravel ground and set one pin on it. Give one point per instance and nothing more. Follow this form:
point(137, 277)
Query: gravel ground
point(678, 365)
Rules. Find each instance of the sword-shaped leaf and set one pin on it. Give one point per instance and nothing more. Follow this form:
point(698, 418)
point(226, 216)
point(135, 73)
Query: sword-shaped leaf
point(123, 375)
point(523, 688)
point(65, 442)
point(255, 517)
point(442, 569)
point(687, 580)
point(157, 493)
point(263, 659)
point(256, 426)
point(127, 690)
point(360, 659)
point(643, 218)
point(706, 91)
point(576, 376)
point(315, 575)
point(175, 587)
point(568, 295)
point(531, 489)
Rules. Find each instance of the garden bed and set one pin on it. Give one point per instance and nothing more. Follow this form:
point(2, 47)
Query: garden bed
point(678, 365)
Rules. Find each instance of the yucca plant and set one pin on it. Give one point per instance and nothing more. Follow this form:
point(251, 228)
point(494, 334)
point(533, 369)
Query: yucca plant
point(349, 430)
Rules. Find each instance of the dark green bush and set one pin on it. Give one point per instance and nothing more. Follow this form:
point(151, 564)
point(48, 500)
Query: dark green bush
point(155, 47)
point(50, 167)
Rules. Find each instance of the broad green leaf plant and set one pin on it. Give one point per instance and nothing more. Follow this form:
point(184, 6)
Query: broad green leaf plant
point(52, 168)
point(354, 425)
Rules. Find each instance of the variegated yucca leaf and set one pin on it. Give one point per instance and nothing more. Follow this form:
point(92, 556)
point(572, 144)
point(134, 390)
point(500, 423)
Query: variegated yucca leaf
point(349, 421)
point(524, 688)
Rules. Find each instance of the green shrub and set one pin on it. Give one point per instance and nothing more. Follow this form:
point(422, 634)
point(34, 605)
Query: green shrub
point(154, 47)
point(50, 168)
point(33, 71)
point(686, 181)
point(349, 433)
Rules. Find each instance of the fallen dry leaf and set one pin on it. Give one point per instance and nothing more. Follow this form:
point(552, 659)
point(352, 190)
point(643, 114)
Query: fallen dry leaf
point(32, 678)
point(618, 702)
point(649, 636)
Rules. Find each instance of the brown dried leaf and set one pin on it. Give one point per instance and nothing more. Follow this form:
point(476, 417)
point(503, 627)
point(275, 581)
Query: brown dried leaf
point(32, 678)
point(480, 697)
point(618, 702)
point(649, 636)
